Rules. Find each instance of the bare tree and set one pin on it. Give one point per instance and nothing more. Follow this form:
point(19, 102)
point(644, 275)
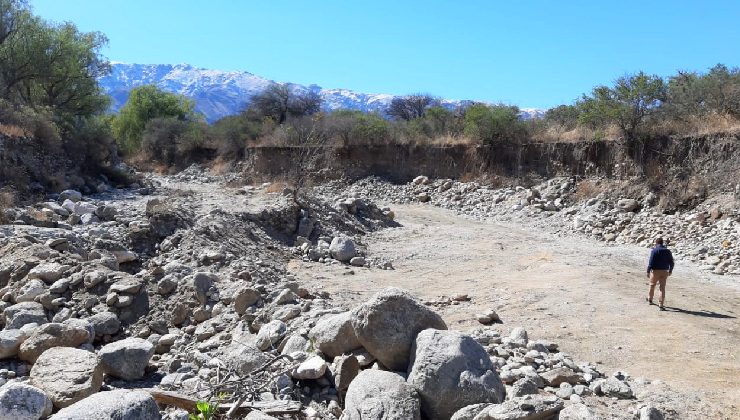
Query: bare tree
point(411, 106)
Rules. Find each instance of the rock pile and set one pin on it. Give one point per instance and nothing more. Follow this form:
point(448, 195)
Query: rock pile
point(708, 235)
point(189, 294)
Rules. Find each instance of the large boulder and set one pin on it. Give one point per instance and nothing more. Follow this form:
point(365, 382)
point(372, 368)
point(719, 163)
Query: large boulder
point(451, 370)
point(19, 401)
point(244, 298)
point(24, 313)
point(67, 375)
point(530, 407)
point(121, 404)
point(334, 335)
point(10, 342)
point(342, 249)
point(126, 359)
point(387, 324)
point(380, 395)
point(52, 335)
point(243, 356)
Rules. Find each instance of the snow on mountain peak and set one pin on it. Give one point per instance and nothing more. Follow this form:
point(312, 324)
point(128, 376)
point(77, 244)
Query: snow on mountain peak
point(220, 93)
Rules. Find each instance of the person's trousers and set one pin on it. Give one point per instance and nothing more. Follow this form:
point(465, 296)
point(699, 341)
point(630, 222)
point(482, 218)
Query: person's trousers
point(658, 277)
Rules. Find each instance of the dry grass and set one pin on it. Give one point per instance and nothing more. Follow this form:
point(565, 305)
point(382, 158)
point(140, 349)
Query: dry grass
point(553, 134)
point(276, 187)
point(697, 126)
point(450, 140)
point(13, 131)
point(7, 200)
point(587, 189)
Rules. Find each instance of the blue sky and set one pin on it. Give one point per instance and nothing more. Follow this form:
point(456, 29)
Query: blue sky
point(527, 53)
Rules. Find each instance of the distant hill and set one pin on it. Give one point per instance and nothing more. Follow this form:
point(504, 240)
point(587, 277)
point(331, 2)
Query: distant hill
point(221, 93)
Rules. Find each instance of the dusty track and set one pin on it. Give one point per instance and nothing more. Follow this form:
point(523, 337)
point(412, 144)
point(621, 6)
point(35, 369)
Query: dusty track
point(584, 295)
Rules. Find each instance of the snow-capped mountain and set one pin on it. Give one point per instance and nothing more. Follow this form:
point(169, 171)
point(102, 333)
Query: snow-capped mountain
point(221, 93)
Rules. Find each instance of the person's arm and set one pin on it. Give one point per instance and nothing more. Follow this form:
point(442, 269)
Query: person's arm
point(650, 262)
point(671, 263)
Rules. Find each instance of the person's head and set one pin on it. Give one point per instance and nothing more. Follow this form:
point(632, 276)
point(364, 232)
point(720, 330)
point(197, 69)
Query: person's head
point(659, 242)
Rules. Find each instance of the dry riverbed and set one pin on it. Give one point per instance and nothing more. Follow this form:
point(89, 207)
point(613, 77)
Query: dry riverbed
point(582, 294)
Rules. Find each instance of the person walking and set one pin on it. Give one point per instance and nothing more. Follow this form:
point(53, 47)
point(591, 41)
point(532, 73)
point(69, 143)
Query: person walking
point(659, 268)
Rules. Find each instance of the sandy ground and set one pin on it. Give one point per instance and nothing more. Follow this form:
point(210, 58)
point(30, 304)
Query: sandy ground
point(584, 295)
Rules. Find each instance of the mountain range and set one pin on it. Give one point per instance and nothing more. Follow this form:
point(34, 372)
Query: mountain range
point(221, 93)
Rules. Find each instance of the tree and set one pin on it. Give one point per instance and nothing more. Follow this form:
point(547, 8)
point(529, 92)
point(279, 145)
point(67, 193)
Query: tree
point(493, 123)
point(50, 65)
point(694, 94)
point(628, 103)
point(411, 107)
point(144, 104)
point(562, 118)
point(278, 102)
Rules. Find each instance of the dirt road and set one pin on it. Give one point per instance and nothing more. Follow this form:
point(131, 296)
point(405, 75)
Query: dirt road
point(584, 295)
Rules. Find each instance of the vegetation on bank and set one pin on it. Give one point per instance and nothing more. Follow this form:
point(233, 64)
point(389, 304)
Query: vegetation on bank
point(633, 108)
point(50, 102)
point(49, 93)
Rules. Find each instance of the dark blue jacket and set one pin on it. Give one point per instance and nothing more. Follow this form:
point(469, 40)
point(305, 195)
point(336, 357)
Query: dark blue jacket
point(660, 259)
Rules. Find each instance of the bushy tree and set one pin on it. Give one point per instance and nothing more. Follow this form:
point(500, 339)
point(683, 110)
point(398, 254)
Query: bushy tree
point(493, 123)
point(627, 104)
point(279, 102)
point(695, 94)
point(410, 107)
point(144, 104)
point(169, 140)
point(50, 65)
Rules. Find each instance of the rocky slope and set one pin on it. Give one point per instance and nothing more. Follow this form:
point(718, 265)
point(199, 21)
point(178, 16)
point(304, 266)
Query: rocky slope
point(136, 303)
point(221, 93)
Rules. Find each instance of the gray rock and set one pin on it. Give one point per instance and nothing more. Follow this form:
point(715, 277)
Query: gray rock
point(518, 336)
point(628, 205)
point(524, 386)
point(613, 387)
point(120, 404)
point(469, 412)
point(30, 291)
point(10, 342)
point(530, 407)
point(357, 261)
point(381, 395)
point(295, 342)
point(19, 401)
point(451, 370)
point(245, 297)
point(270, 334)
point(346, 369)
point(342, 249)
point(578, 411)
point(201, 282)
point(650, 413)
point(105, 323)
point(67, 375)
point(126, 359)
point(243, 356)
point(555, 377)
point(387, 324)
point(258, 415)
point(334, 335)
point(313, 368)
point(71, 195)
point(24, 313)
point(47, 272)
point(52, 335)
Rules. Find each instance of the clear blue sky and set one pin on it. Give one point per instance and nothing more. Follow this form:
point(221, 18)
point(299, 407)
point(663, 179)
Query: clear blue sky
point(528, 53)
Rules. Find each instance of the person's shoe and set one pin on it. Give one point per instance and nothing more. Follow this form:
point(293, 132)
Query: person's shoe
point(650, 301)
point(662, 308)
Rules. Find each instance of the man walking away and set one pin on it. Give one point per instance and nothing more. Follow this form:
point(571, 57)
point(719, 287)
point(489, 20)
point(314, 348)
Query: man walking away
point(659, 268)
